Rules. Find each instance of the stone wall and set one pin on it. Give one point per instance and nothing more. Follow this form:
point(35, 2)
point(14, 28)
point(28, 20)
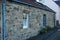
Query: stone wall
point(14, 21)
point(49, 18)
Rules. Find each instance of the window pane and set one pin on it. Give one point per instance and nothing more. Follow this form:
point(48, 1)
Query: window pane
point(25, 21)
point(44, 20)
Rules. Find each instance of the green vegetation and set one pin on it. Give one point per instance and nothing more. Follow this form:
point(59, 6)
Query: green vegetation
point(48, 28)
point(43, 31)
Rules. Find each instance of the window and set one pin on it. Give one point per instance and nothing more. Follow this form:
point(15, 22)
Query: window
point(25, 20)
point(44, 19)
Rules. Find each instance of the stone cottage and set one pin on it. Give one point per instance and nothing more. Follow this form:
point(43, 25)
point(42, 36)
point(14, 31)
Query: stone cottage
point(25, 18)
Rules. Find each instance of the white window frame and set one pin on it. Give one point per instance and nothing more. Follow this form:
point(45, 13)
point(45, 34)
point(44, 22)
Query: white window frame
point(26, 24)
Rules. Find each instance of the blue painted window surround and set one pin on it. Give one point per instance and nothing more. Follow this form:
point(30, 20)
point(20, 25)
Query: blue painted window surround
point(44, 19)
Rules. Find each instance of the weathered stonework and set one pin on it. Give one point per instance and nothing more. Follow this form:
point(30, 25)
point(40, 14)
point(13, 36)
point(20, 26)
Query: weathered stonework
point(14, 21)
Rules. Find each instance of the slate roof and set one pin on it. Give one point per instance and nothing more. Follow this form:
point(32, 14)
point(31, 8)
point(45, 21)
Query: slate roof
point(33, 3)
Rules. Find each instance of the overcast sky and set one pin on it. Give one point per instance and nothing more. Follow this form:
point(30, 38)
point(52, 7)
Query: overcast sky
point(51, 4)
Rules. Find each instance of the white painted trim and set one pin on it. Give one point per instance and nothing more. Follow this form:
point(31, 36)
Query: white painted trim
point(27, 25)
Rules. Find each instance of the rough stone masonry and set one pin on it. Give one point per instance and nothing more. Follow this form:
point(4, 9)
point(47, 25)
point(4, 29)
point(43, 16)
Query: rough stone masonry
point(14, 20)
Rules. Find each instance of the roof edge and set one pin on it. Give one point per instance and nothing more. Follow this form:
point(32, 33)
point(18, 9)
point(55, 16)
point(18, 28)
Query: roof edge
point(24, 3)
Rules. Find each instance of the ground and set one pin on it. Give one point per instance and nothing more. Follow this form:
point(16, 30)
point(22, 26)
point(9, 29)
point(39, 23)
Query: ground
point(51, 35)
point(55, 36)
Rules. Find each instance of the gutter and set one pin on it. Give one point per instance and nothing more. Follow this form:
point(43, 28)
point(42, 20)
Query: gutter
point(3, 21)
